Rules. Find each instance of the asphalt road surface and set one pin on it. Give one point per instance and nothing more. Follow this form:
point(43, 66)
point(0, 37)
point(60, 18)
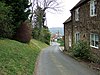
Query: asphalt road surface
point(53, 62)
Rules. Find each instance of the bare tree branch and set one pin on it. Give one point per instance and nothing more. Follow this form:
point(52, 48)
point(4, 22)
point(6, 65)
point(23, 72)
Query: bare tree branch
point(46, 6)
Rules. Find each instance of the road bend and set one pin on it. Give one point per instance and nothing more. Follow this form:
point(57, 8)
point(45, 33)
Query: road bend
point(53, 62)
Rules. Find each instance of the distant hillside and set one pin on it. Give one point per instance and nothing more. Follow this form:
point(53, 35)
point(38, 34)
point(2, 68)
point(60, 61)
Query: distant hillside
point(56, 29)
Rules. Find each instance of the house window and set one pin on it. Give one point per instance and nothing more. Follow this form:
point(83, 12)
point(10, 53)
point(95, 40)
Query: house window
point(77, 37)
point(94, 40)
point(77, 14)
point(93, 7)
point(69, 41)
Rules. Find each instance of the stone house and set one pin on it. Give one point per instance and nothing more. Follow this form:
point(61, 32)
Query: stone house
point(84, 24)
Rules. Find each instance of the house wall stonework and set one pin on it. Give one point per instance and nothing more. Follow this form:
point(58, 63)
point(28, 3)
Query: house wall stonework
point(67, 33)
point(85, 26)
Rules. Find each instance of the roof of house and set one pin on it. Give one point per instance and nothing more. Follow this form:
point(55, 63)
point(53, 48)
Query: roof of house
point(68, 20)
point(81, 2)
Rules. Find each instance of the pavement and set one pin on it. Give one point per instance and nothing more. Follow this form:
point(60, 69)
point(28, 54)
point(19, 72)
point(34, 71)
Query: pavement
point(53, 62)
point(61, 48)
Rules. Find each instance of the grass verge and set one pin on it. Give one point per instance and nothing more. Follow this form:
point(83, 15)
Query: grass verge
point(18, 58)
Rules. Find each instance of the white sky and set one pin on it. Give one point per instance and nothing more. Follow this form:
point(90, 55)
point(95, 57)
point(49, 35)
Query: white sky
point(57, 20)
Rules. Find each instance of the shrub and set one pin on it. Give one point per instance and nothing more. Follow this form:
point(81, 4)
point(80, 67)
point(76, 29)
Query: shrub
point(95, 58)
point(24, 33)
point(61, 41)
point(46, 36)
point(41, 35)
point(82, 50)
point(35, 32)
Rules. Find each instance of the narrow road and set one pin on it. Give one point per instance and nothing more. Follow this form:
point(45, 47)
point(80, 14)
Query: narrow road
point(53, 62)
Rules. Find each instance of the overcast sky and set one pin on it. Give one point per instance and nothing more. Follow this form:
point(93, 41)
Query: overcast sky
point(56, 20)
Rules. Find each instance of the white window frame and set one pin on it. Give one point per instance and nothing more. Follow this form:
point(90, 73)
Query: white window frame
point(77, 14)
point(94, 39)
point(70, 41)
point(77, 37)
point(93, 8)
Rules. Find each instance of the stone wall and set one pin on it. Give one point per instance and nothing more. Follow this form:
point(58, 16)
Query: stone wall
point(86, 25)
point(68, 32)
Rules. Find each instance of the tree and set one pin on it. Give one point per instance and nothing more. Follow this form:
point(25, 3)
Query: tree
point(38, 17)
point(6, 28)
point(40, 30)
point(20, 11)
point(38, 21)
point(45, 6)
point(51, 4)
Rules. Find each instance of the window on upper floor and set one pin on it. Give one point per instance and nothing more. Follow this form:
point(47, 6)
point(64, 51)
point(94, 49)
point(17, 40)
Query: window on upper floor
point(77, 14)
point(93, 8)
point(94, 40)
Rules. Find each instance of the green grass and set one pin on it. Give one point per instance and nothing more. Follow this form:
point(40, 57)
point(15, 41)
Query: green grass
point(18, 58)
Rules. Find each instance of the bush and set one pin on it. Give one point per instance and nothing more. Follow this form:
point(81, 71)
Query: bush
point(95, 58)
point(35, 32)
point(46, 36)
point(61, 41)
point(6, 31)
point(82, 50)
point(41, 35)
point(24, 33)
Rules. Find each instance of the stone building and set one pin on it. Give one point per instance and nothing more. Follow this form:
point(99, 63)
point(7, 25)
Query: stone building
point(84, 24)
